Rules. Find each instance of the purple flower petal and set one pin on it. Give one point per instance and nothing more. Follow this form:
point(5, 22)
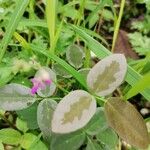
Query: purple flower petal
point(34, 89)
point(48, 82)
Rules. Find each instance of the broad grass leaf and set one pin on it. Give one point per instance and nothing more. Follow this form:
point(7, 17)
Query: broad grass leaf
point(12, 25)
point(73, 112)
point(28, 140)
point(71, 141)
point(139, 86)
point(44, 116)
point(74, 56)
point(15, 97)
point(108, 138)
point(107, 74)
point(50, 89)
point(127, 122)
point(10, 136)
point(98, 123)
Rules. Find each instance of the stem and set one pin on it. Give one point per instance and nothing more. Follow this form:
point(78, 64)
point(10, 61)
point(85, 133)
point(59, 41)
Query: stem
point(117, 26)
point(81, 12)
point(87, 58)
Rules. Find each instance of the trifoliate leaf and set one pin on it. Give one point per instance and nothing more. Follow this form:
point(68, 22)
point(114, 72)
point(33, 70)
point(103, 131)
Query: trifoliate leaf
point(73, 112)
point(107, 74)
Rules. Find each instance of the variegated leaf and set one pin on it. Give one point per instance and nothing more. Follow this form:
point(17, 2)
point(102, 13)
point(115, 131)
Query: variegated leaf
point(127, 122)
point(75, 56)
point(107, 74)
point(73, 112)
point(49, 89)
point(15, 97)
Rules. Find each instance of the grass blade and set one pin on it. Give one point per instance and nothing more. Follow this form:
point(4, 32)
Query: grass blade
point(12, 25)
point(139, 86)
point(51, 21)
point(101, 52)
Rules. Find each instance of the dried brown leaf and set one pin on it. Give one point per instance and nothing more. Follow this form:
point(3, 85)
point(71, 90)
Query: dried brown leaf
point(123, 46)
point(127, 122)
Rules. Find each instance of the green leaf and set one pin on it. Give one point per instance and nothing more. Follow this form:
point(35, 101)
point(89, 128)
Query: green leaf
point(44, 116)
point(97, 124)
point(15, 97)
point(10, 136)
point(73, 112)
point(127, 122)
point(28, 139)
point(139, 86)
point(5, 75)
point(107, 75)
point(33, 22)
point(108, 138)
point(92, 145)
point(21, 125)
point(68, 141)
point(1, 145)
point(139, 43)
point(30, 116)
point(100, 51)
point(75, 56)
point(12, 25)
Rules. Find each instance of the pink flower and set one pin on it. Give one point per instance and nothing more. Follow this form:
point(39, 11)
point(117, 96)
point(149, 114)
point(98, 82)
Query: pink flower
point(40, 81)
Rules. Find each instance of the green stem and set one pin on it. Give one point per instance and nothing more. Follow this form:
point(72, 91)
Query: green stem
point(117, 25)
point(87, 58)
point(81, 12)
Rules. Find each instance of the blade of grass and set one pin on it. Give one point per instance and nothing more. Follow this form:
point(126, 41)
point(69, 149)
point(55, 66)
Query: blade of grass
point(33, 22)
point(51, 21)
point(139, 86)
point(80, 12)
point(12, 25)
point(117, 24)
point(99, 7)
point(100, 51)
